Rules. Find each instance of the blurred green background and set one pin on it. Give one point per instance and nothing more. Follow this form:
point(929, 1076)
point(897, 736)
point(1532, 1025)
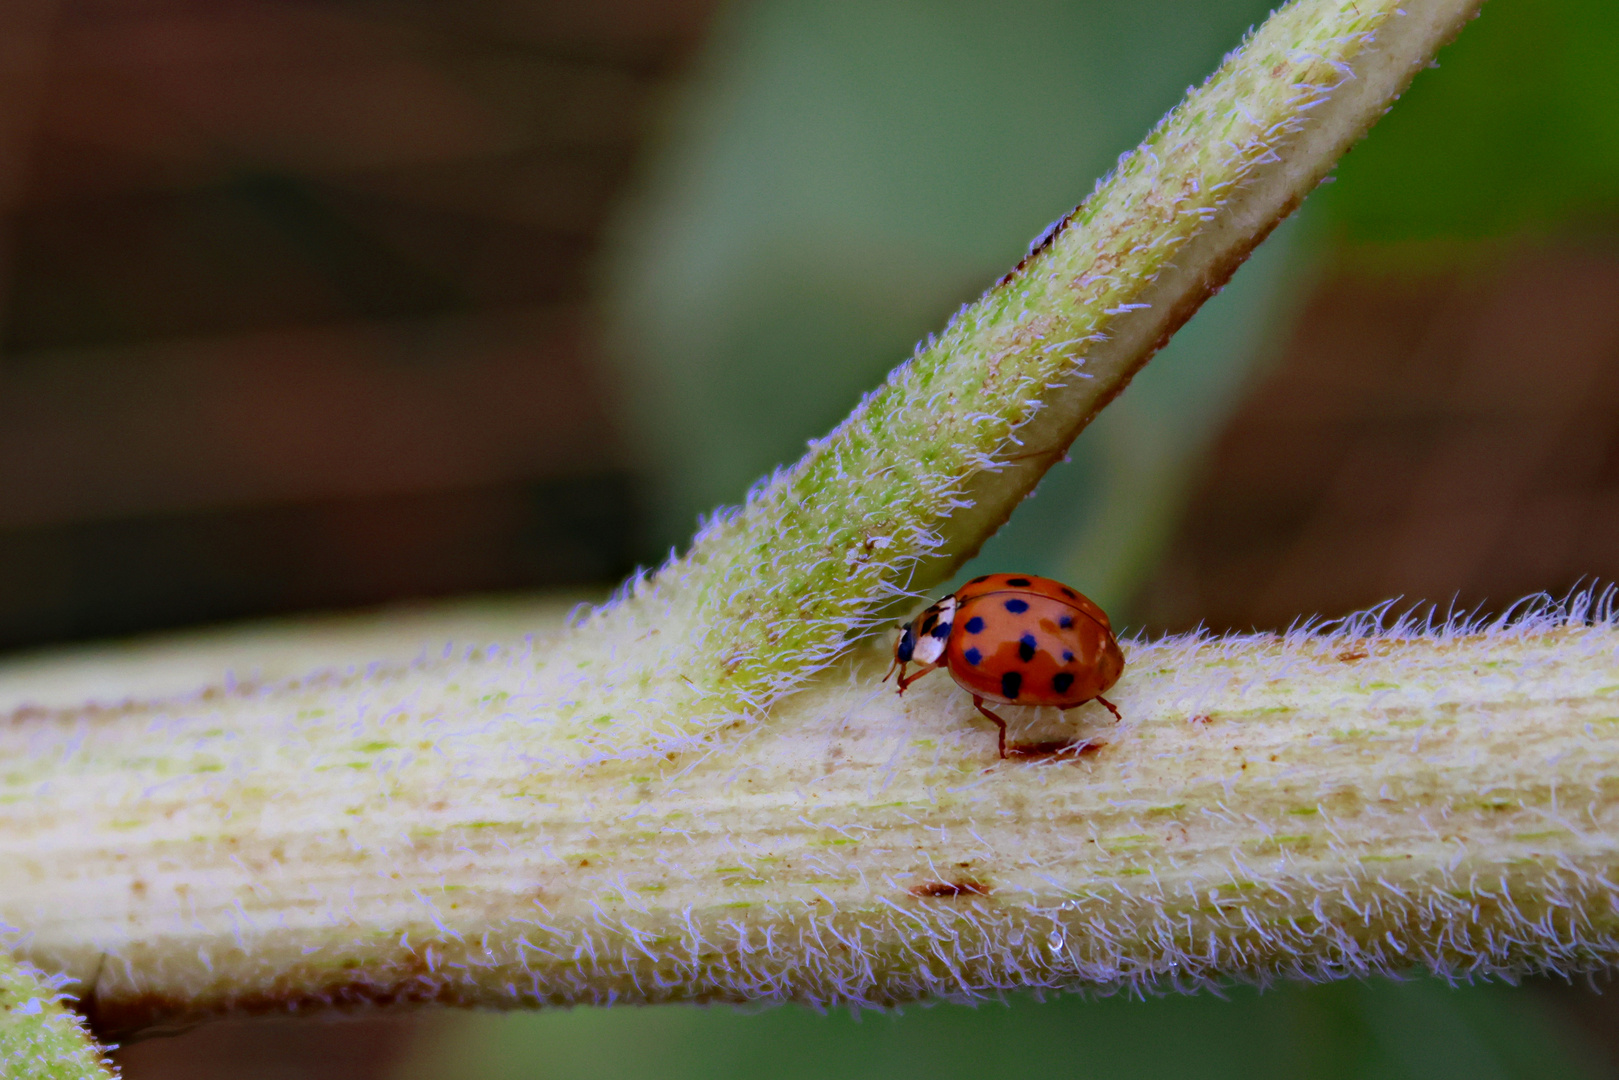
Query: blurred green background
point(1415, 1030)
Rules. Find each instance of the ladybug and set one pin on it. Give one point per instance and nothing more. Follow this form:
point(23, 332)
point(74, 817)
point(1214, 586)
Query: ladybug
point(1015, 639)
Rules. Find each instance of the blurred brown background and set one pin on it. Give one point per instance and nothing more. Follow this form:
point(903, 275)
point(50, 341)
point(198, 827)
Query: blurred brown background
point(295, 302)
point(1449, 436)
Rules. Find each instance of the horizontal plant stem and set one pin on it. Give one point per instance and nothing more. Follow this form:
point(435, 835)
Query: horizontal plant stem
point(1301, 806)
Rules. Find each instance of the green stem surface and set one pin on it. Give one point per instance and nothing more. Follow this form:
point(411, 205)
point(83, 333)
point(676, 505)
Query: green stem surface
point(41, 1038)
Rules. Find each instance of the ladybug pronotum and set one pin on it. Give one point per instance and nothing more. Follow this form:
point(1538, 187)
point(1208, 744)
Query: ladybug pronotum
point(1015, 639)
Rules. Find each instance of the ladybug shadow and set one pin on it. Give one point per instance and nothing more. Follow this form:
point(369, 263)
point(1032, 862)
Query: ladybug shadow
point(1046, 732)
point(1054, 748)
point(1032, 732)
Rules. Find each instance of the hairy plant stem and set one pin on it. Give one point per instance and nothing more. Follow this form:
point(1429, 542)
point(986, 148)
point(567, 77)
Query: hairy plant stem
point(702, 791)
point(40, 1037)
point(1302, 806)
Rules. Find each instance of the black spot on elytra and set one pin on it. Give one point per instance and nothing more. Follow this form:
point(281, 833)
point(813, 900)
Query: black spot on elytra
point(1011, 683)
point(1066, 621)
point(974, 625)
point(1025, 648)
point(1067, 657)
point(1061, 681)
point(1019, 582)
point(979, 580)
point(1017, 607)
point(1070, 593)
point(972, 656)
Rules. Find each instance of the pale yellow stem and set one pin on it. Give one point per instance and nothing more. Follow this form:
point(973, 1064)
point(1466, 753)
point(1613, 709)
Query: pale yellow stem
point(1303, 806)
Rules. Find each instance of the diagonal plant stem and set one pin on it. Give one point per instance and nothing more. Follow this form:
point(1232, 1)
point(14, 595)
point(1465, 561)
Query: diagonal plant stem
point(934, 460)
point(702, 791)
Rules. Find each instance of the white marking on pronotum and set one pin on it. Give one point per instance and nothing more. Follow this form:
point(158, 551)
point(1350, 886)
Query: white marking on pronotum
point(931, 641)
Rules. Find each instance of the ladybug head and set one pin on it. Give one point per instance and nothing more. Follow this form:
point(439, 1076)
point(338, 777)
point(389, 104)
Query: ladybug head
point(923, 640)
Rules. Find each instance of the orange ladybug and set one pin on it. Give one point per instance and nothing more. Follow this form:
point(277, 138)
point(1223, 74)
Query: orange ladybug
point(1015, 639)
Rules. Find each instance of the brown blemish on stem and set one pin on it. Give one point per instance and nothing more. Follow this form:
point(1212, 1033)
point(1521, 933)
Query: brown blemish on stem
point(1073, 748)
point(944, 889)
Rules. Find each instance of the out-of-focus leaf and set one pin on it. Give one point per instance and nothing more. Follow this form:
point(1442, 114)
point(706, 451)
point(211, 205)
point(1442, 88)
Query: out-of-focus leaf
point(1421, 1030)
point(1520, 130)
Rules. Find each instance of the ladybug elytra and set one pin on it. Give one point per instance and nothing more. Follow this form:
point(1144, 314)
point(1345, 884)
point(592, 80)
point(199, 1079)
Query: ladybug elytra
point(1015, 639)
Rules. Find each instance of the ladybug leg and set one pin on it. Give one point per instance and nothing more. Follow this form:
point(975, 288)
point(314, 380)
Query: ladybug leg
point(978, 703)
point(1112, 708)
point(906, 680)
point(896, 664)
